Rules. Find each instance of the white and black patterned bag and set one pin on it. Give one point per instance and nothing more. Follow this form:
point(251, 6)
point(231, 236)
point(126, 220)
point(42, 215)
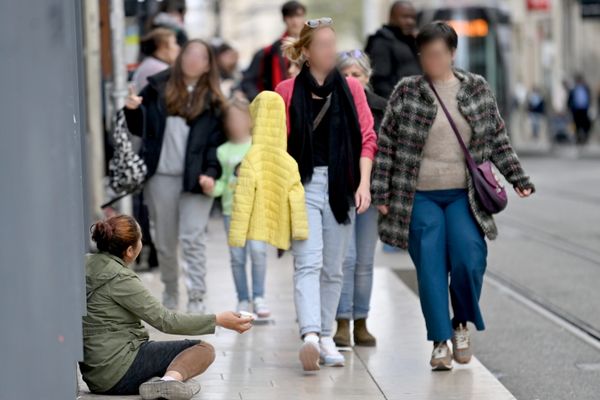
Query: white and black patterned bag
point(126, 169)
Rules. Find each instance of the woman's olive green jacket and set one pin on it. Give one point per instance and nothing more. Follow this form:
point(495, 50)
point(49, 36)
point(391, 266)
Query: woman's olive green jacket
point(117, 303)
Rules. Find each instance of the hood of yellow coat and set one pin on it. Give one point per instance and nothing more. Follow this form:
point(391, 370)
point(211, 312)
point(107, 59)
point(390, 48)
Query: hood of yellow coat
point(268, 116)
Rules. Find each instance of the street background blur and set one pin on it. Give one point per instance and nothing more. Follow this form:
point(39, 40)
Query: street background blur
point(65, 70)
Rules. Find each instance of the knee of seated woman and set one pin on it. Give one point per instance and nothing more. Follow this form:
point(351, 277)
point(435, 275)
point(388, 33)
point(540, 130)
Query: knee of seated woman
point(208, 351)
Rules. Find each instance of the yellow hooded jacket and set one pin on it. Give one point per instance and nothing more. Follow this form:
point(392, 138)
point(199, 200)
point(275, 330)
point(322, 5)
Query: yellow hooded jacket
point(268, 203)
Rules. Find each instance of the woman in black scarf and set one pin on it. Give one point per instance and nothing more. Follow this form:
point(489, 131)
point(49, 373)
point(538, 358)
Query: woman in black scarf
point(331, 137)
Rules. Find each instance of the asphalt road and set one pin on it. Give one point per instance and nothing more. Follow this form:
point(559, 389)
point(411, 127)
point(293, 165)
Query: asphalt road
point(548, 250)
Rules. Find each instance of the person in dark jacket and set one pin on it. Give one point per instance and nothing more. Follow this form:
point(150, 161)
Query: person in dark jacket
point(178, 116)
point(358, 263)
point(269, 67)
point(392, 49)
point(425, 194)
point(580, 99)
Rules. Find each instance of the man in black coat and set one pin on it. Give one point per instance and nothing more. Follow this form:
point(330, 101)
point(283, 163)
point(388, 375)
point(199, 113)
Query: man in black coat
point(392, 49)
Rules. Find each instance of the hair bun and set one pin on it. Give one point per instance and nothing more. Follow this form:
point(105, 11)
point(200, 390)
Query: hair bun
point(101, 232)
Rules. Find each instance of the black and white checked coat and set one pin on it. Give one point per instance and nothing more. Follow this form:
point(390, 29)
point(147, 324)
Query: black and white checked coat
point(410, 113)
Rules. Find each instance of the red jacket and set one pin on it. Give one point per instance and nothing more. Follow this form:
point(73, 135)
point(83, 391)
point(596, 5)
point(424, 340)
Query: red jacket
point(365, 118)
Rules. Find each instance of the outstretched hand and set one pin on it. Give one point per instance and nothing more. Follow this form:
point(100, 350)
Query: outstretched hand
point(234, 321)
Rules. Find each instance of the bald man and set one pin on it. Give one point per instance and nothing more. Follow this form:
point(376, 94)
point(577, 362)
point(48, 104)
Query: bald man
point(392, 49)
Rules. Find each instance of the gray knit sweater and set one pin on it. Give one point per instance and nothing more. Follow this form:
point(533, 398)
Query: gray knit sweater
point(443, 162)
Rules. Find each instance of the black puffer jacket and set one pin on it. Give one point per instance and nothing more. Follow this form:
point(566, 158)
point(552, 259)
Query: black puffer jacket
point(206, 134)
point(393, 56)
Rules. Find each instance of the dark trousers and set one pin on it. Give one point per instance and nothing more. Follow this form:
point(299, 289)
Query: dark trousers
point(188, 357)
point(445, 241)
point(583, 125)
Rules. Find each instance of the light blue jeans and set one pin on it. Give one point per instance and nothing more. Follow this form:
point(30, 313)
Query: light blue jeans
point(318, 260)
point(258, 257)
point(358, 267)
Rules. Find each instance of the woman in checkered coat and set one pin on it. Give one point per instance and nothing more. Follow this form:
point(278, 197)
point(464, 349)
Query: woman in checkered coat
point(424, 192)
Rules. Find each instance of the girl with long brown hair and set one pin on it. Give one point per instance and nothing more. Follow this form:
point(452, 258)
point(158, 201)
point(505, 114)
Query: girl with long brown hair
point(178, 115)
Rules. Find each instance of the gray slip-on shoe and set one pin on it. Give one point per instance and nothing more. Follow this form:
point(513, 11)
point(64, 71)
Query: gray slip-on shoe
point(170, 390)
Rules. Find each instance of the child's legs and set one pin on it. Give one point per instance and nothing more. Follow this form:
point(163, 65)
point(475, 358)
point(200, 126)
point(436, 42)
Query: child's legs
point(258, 257)
point(238, 266)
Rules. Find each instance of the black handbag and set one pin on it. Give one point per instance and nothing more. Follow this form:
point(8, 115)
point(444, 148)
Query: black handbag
point(126, 169)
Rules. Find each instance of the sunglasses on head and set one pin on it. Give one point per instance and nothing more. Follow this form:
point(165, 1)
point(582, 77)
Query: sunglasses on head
point(315, 23)
point(351, 54)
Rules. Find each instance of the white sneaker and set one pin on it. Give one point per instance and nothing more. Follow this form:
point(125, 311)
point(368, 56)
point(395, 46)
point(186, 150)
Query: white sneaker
point(441, 357)
point(461, 345)
point(170, 301)
point(330, 356)
point(309, 353)
point(196, 306)
point(243, 305)
point(260, 308)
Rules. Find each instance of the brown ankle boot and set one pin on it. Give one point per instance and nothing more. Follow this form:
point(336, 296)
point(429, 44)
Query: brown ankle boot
point(362, 337)
point(342, 336)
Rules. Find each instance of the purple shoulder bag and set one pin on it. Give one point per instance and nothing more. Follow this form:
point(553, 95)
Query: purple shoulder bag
point(490, 193)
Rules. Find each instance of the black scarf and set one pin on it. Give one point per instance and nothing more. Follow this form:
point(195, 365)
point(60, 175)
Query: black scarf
point(345, 139)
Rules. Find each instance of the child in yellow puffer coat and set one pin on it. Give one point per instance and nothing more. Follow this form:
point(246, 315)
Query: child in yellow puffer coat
point(268, 203)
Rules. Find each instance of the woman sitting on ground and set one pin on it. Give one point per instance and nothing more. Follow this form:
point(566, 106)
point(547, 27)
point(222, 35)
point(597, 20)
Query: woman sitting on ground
point(119, 358)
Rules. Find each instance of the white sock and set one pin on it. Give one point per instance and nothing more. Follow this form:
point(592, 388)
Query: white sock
point(311, 337)
point(167, 378)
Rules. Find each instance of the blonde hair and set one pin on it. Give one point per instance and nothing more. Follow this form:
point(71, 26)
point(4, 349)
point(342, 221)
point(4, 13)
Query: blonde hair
point(292, 48)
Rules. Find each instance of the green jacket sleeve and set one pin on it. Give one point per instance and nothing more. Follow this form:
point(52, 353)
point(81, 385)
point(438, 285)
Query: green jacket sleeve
point(129, 292)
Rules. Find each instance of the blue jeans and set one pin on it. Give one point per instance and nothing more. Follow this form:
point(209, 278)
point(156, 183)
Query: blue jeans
point(258, 256)
point(358, 267)
point(318, 260)
point(444, 240)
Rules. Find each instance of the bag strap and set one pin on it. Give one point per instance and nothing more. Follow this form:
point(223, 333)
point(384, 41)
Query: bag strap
point(322, 113)
point(470, 162)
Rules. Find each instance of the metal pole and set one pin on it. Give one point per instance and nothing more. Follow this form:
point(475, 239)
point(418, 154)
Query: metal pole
point(119, 88)
point(94, 138)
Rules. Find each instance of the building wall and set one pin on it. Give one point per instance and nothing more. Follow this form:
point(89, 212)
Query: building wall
point(42, 283)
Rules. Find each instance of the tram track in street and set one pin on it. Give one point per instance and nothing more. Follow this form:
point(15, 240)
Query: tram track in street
point(539, 303)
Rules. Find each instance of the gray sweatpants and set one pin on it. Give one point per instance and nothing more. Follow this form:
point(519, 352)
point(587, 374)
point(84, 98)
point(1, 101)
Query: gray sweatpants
point(179, 218)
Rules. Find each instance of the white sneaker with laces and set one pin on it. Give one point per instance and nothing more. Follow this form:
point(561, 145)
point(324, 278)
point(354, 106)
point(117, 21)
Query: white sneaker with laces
point(309, 353)
point(330, 356)
point(260, 308)
point(441, 357)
